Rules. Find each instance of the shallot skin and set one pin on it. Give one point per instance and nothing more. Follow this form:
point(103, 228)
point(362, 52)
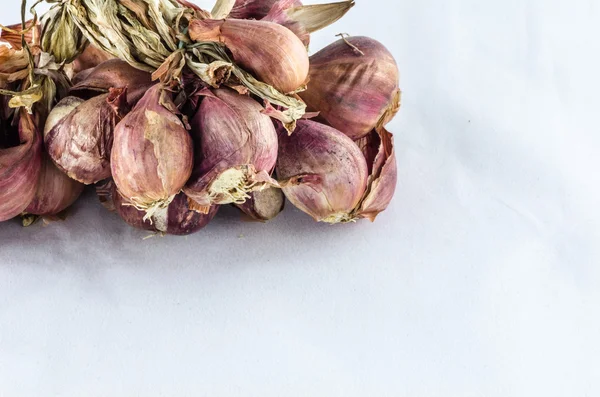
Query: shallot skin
point(235, 145)
point(81, 142)
point(55, 191)
point(20, 169)
point(379, 151)
point(323, 172)
point(113, 73)
point(255, 9)
point(177, 219)
point(152, 156)
point(354, 84)
point(273, 53)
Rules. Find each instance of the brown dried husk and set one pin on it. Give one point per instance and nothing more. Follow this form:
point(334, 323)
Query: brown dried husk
point(146, 34)
point(60, 35)
point(379, 151)
point(13, 34)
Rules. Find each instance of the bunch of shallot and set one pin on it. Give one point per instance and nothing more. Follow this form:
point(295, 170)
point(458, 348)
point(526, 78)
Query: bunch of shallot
point(172, 111)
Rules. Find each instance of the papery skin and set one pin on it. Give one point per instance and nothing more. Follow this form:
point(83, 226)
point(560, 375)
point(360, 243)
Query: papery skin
point(90, 58)
point(354, 93)
point(113, 73)
point(80, 143)
point(255, 9)
point(379, 151)
point(264, 205)
point(55, 191)
point(152, 155)
point(322, 171)
point(20, 168)
point(178, 219)
point(32, 36)
point(269, 51)
point(230, 132)
point(278, 14)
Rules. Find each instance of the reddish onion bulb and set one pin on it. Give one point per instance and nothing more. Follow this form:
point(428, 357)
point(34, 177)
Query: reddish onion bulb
point(325, 172)
point(19, 166)
point(354, 92)
point(113, 73)
point(236, 149)
point(271, 52)
point(55, 191)
point(80, 143)
point(152, 155)
point(91, 57)
point(177, 219)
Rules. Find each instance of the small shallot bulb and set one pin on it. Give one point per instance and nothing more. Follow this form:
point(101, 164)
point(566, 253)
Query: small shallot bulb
point(55, 191)
point(354, 86)
point(80, 142)
point(236, 149)
point(255, 9)
point(113, 73)
point(378, 148)
point(264, 205)
point(152, 154)
point(176, 219)
point(90, 58)
point(323, 172)
point(272, 53)
point(20, 164)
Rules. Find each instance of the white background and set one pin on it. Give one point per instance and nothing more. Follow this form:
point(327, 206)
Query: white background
point(482, 279)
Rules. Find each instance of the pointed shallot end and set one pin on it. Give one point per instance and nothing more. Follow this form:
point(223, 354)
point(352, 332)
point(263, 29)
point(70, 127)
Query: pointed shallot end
point(236, 149)
point(354, 84)
point(20, 166)
point(152, 153)
point(280, 61)
point(178, 218)
point(304, 20)
point(222, 9)
point(378, 148)
point(171, 68)
point(323, 172)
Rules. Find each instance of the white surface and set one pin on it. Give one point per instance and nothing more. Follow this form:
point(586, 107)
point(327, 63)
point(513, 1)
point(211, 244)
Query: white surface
point(482, 279)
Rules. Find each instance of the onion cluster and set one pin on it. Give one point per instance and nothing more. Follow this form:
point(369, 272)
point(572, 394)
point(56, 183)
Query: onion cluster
point(179, 111)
